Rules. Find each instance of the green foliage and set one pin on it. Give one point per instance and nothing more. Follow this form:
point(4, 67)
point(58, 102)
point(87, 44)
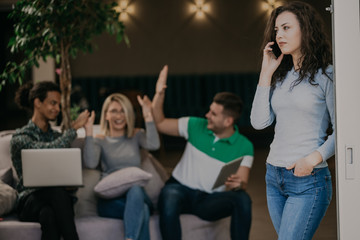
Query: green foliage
point(41, 26)
point(74, 112)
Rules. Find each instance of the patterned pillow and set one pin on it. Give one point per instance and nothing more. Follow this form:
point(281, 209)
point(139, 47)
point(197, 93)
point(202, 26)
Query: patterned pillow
point(6, 176)
point(8, 197)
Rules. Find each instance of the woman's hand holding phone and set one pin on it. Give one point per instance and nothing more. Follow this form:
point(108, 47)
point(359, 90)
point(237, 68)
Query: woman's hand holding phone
point(269, 64)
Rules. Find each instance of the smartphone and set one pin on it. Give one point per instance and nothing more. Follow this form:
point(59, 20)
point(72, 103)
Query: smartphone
point(276, 50)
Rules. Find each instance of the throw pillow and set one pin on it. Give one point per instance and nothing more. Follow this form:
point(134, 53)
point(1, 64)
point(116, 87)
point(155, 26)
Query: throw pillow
point(8, 197)
point(118, 182)
point(6, 176)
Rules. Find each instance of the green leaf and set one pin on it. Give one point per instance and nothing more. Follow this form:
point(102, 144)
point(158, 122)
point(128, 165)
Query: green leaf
point(36, 63)
point(74, 112)
point(119, 37)
point(57, 58)
point(11, 41)
point(126, 39)
point(20, 80)
point(12, 78)
point(46, 30)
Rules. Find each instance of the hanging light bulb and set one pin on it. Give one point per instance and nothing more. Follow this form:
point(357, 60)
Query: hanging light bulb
point(199, 8)
point(125, 9)
point(269, 5)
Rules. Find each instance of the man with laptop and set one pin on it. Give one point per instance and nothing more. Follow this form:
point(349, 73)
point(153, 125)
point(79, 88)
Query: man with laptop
point(208, 181)
point(52, 207)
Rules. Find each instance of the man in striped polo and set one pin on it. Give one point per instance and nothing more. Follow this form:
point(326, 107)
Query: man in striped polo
point(211, 143)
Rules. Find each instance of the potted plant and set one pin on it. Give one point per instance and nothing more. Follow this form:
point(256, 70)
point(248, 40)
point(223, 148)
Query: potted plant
point(58, 29)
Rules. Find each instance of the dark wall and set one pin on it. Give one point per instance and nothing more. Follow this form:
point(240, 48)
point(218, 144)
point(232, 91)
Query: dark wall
point(226, 41)
point(10, 115)
point(162, 32)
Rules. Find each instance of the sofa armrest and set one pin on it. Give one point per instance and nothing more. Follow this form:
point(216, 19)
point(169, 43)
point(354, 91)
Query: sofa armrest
point(159, 175)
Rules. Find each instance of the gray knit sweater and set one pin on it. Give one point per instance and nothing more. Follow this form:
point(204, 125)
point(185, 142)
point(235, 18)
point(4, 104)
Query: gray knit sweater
point(302, 116)
point(116, 153)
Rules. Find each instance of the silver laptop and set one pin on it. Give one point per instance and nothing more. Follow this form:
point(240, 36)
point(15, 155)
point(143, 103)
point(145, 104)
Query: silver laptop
point(51, 167)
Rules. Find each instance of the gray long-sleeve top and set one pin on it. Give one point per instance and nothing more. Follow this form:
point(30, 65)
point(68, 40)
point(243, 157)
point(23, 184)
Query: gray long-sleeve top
point(302, 114)
point(119, 152)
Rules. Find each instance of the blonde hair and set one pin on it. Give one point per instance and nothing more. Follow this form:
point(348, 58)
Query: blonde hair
point(128, 110)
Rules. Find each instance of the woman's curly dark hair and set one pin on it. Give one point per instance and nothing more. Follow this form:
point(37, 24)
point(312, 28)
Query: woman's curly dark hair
point(315, 46)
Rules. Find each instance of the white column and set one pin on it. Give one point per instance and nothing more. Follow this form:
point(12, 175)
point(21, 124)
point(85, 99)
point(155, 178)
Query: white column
point(346, 41)
point(45, 72)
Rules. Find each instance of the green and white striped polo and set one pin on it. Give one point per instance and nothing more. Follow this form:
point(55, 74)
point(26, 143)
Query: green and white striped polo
point(204, 156)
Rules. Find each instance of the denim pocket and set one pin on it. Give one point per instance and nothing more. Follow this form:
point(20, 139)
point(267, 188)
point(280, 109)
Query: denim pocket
point(306, 176)
point(313, 172)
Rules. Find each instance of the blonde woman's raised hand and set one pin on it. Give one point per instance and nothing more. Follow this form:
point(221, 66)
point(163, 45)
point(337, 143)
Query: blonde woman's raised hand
point(161, 82)
point(145, 104)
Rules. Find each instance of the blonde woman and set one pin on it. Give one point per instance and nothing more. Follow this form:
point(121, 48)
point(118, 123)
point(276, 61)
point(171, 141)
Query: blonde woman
point(118, 148)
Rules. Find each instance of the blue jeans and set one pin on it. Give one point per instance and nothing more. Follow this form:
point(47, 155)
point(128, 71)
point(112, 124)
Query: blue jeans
point(297, 204)
point(176, 199)
point(134, 208)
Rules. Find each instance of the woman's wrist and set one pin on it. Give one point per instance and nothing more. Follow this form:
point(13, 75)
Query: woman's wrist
point(162, 91)
point(89, 131)
point(265, 79)
point(315, 158)
point(148, 117)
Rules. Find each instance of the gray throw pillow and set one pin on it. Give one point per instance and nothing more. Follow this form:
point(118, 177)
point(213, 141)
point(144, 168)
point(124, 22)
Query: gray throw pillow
point(118, 182)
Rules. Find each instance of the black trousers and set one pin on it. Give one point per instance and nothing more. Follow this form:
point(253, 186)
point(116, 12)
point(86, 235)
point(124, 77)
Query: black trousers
point(53, 209)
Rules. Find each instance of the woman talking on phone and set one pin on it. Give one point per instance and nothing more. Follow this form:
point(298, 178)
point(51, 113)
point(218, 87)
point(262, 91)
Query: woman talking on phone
point(295, 89)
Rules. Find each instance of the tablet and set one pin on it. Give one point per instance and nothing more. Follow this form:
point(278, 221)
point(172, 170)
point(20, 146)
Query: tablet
point(228, 169)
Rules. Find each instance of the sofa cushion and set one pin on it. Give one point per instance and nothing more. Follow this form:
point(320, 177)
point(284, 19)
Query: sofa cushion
point(118, 182)
point(86, 203)
point(8, 197)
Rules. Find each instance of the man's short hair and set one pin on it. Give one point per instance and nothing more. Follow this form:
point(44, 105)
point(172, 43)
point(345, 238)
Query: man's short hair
point(232, 104)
